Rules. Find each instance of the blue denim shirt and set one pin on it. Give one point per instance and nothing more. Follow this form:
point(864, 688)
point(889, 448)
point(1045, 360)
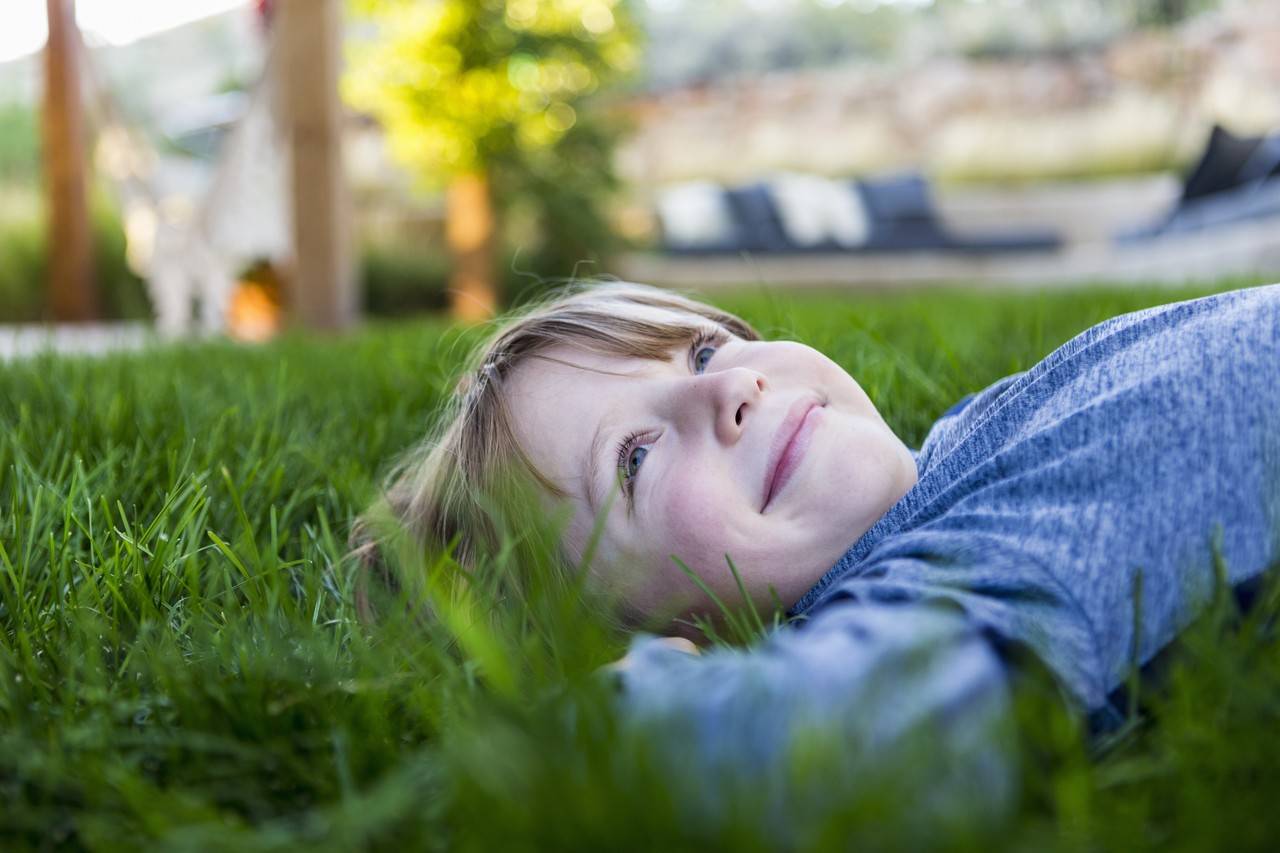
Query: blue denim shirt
point(1074, 509)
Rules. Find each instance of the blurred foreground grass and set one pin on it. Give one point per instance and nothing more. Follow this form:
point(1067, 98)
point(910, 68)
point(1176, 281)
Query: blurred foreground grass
point(180, 664)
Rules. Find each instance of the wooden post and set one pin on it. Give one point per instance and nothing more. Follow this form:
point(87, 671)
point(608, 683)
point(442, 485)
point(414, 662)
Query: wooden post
point(72, 294)
point(323, 291)
point(470, 230)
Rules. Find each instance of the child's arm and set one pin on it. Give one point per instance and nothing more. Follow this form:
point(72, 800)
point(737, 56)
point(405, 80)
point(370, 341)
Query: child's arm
point(877, 680)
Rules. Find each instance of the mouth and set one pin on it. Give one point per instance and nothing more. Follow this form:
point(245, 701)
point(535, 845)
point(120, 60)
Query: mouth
point(788, 447)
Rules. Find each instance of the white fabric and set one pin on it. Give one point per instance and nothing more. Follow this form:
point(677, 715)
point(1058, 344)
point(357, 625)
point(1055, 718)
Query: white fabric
point(814, 210)
point(695, 214)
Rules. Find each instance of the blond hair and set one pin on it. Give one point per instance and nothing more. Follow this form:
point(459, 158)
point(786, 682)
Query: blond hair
point(450, 491)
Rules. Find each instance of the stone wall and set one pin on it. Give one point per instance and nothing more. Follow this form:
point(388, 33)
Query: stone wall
point(1140, 104)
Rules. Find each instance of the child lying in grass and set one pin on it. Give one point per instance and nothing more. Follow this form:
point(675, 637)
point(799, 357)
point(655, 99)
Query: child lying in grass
point(1086, 509)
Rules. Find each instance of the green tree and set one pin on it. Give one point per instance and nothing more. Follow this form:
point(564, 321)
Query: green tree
point(487, 99)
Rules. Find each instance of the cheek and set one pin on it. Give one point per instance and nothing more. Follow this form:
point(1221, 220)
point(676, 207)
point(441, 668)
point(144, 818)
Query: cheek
point(874, 470)
point(693, 525)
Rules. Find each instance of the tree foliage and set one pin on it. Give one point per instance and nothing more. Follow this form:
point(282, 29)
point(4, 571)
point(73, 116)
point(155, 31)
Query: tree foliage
point(503, 89)
point(462, 84)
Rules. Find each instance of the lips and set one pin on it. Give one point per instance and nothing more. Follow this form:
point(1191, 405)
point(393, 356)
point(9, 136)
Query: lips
point(788, 447)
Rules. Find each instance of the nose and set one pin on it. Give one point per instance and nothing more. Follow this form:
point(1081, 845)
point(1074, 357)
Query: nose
point(728, 396)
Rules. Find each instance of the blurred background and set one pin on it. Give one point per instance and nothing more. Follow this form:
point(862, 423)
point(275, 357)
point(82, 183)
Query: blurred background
point(222, 166)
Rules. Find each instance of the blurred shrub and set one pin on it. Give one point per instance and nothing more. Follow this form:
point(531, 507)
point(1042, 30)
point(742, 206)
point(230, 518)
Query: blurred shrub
point(400, 280)
point(22, 271)
point(23, 249)
point(19, 143)
point(24, 266)
point(556, 207)
point(1166, 13)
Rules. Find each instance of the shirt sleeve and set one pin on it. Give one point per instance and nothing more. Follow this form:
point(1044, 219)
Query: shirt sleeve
point(962, 413)
point(878, 686)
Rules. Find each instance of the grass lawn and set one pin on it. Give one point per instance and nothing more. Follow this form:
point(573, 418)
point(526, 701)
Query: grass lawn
point(181, 666)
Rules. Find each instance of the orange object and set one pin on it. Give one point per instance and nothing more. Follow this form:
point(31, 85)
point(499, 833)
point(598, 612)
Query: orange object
point(256, 311)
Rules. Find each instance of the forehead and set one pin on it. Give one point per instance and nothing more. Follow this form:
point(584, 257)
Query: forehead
point(582, 363)
point(559, 398)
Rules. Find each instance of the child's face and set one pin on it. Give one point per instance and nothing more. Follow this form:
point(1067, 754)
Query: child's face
point(710, 429)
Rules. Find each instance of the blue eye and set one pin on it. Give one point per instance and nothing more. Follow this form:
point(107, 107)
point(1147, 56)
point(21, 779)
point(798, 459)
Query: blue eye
point(704, 347)
point(634, 459)
point(630, 455)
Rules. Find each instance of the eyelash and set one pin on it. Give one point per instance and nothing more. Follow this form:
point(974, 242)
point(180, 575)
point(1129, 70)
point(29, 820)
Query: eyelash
point(705, 337)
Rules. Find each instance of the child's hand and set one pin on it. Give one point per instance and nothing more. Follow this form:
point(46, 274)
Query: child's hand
point(680, 644)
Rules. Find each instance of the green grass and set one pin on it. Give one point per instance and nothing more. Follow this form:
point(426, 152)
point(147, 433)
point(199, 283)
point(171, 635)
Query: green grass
point(181, 666)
